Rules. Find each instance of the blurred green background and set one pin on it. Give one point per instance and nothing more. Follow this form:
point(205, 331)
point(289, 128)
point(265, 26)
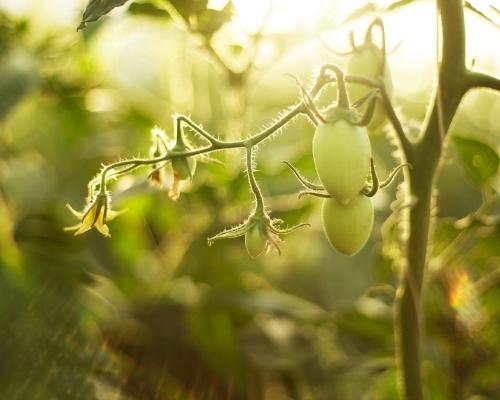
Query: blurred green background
point(153, 312)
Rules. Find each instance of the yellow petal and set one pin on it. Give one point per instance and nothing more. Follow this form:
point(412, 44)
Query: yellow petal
point(112, 214)
point(82, 229)
point(174, 193)
point(77, 214)
point(72, 228)
point(103, 228)
point(89, 220)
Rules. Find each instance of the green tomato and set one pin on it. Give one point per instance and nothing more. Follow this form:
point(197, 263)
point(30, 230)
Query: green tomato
point(342, 155)
point(348, 226)
point(365, 62)
point(255, 241)
point(183, 167)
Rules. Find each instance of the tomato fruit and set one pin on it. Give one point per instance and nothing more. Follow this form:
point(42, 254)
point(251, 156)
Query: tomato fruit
point(184, 168)
point(366, 61)
point(255, 241)
point(342, 155)
point(348, 226)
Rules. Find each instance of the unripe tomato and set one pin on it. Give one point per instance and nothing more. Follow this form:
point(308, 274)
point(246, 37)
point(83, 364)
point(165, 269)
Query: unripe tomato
point(184, 168)
point(366, 61)
point(255, 241)
point(342, 155)
point(348, 226)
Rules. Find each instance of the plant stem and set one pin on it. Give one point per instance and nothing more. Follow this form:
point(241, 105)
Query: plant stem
point(425, 160)
point(216, 144)
point(254, 187)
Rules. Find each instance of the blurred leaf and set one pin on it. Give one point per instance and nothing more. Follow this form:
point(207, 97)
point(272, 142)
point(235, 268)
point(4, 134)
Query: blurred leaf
point(384, 386)
point(211, 21)
point(9, 31)
point(484, 12)
point(397, 4)
point(367, 332)
point(201, 19)
point(18, 78)
point(213, 332)
point(281, 304)
point(186, 8)
point(371, 8)
point(479, 160)
point(96, 9)
point(147, 9)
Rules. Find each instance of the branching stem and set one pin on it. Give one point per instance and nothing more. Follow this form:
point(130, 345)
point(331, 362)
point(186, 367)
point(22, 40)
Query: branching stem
point(215, 144)
point(405, 144)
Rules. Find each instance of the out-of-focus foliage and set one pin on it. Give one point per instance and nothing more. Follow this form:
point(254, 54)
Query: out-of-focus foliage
point(479, 160)
point(153, 312)
point(96, 9)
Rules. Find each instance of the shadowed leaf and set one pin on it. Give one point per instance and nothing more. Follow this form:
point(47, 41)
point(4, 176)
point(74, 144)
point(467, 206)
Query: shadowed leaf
point(147, 9)
point(371, 8)
point(479, 160)
point(96, 9)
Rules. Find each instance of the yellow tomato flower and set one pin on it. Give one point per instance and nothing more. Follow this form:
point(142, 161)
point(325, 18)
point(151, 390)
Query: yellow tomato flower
point(96, 215)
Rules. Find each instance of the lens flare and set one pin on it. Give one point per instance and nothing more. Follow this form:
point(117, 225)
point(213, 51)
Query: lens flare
point(463, 298)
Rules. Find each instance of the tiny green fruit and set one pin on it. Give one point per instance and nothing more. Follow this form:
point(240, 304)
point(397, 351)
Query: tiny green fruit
point(183, 167)
point(348, 226)
point(370, 62)
point(255, 241)
point(342, 155)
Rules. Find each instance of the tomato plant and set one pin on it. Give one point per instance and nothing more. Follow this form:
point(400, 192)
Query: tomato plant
point(255, 241)
point(369, 60)
point(348, 226)
point(342, 155)
point(343, 160)
point(418, 245)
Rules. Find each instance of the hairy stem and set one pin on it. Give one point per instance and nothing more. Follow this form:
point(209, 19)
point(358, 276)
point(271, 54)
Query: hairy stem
point(216, 144)
point(403, 142)
point(254, 187)
point(425, 160)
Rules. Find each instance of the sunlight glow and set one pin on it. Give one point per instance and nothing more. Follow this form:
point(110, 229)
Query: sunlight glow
point(463, 298)
point(278, 15)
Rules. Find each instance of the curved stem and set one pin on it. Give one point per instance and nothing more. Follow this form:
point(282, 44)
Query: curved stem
point(406, 146)
point(352, 41)
point(368, 115)
point(259, 200)
point(369, 39)
point(342, 98)
point(482, 80)
point(182, 119)
point(373, 189)
point(215, 144)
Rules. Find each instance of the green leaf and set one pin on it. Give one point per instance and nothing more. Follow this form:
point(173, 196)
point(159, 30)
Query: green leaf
point(201, 19)
point(210, 21)
point(479, 160)
point(147, 9)
point(18, 78)
point(186, 8)
point(96, 9)
point(281, 304)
